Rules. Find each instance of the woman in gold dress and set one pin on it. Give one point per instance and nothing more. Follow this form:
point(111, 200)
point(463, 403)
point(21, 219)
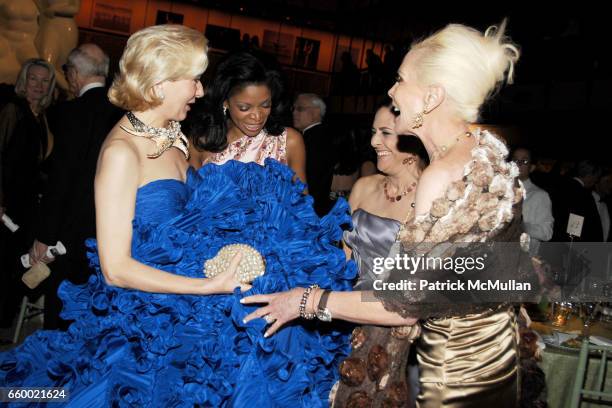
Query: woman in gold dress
point(469, 194)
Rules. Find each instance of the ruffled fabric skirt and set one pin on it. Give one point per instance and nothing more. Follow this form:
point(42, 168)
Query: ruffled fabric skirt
point(128, 348)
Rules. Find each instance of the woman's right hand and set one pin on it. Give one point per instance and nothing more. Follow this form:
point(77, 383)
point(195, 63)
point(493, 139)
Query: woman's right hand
point(280, 308)
point(226, 281)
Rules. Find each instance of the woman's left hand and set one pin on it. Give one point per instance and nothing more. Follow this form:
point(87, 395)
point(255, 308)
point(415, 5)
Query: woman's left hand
point(281, 308)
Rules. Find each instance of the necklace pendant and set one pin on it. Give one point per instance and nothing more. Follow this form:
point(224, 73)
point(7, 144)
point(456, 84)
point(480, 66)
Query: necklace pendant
point(164, 138)
point(397, 198)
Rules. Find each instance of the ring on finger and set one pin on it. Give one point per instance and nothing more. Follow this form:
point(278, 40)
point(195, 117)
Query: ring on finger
point(269, 319)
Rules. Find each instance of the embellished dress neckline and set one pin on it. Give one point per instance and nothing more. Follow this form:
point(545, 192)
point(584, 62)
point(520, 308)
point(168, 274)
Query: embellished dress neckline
point(453, 214)
point(253, 149)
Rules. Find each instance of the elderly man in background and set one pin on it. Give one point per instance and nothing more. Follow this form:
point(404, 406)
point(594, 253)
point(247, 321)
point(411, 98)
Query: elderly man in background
point(308, 113)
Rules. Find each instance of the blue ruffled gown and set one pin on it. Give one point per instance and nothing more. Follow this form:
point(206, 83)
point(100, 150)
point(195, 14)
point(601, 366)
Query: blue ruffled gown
point(138, 349)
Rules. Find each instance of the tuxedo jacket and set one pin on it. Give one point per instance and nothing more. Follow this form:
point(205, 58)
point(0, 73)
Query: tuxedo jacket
point(320, 161)
point(574, 198)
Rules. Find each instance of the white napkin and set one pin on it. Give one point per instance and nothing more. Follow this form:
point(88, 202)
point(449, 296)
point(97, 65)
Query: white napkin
point(600, 341)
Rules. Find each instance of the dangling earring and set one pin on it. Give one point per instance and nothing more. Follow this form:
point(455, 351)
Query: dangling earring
point(419, 117)
point(409, 161)
point(418, 120)
point(161, 95)
point(224, 110)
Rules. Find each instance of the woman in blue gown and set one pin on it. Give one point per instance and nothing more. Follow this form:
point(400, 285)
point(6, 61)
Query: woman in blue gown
point(143, 333)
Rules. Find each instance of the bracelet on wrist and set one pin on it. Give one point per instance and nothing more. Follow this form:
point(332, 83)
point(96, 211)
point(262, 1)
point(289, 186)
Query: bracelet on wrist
point(312, 299)
point(304, 302)
point(322, 311)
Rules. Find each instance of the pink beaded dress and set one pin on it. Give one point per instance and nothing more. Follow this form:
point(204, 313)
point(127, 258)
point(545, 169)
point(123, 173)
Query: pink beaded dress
point(254, 149)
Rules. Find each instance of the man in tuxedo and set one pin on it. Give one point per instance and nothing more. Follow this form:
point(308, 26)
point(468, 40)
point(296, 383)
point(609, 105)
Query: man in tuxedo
point(67, 209)
point(308, 114)
point(576, 198)
point(537, 208)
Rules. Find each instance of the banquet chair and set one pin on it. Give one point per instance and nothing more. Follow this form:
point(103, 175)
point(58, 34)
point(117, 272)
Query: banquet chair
point(599, 394)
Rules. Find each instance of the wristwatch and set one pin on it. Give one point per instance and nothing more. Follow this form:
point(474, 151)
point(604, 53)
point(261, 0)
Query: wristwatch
point(323, 312)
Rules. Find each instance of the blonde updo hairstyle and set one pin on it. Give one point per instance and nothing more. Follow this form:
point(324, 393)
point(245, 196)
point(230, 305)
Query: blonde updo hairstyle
point(469, 66)
point(153, 55)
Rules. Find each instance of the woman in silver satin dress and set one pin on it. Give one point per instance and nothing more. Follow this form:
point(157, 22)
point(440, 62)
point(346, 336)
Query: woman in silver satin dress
point(382, 202)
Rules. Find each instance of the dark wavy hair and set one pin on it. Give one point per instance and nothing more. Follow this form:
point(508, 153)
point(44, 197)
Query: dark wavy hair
point(407, 143)
point(206, 125)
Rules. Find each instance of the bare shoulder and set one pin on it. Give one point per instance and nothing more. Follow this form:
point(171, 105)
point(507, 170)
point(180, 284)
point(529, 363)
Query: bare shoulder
point(119, 154)
point(294, 138)
point(434, 182)
point(363, 188)
point(437, 172)
point(117, 146)
point(296, 153)
point(369, 183)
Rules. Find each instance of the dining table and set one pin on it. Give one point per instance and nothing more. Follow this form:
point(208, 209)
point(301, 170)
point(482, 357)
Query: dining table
point(560, 363)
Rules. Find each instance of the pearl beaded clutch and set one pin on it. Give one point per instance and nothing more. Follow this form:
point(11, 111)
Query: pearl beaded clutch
point(251, 265)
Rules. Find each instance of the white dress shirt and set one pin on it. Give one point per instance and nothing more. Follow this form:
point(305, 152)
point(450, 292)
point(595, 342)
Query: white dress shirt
point(310, 126)
point(604, 215)
point(537, 215)
point(90, 86)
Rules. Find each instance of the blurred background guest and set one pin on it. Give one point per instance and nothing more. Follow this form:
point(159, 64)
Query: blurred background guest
point(537, 207)
point(576, 198)
point(352, 162)
point(308, 114)
point(25, 146)
point(601, 193)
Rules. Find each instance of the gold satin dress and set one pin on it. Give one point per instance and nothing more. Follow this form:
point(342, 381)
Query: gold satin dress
point(469, 361)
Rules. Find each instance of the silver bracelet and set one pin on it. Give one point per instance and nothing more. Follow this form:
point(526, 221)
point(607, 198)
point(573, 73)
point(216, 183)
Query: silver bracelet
point(304, 301)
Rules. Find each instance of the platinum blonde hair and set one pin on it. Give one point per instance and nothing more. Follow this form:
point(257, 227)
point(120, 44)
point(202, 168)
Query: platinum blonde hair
point(153, 55)
point(469, 65)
